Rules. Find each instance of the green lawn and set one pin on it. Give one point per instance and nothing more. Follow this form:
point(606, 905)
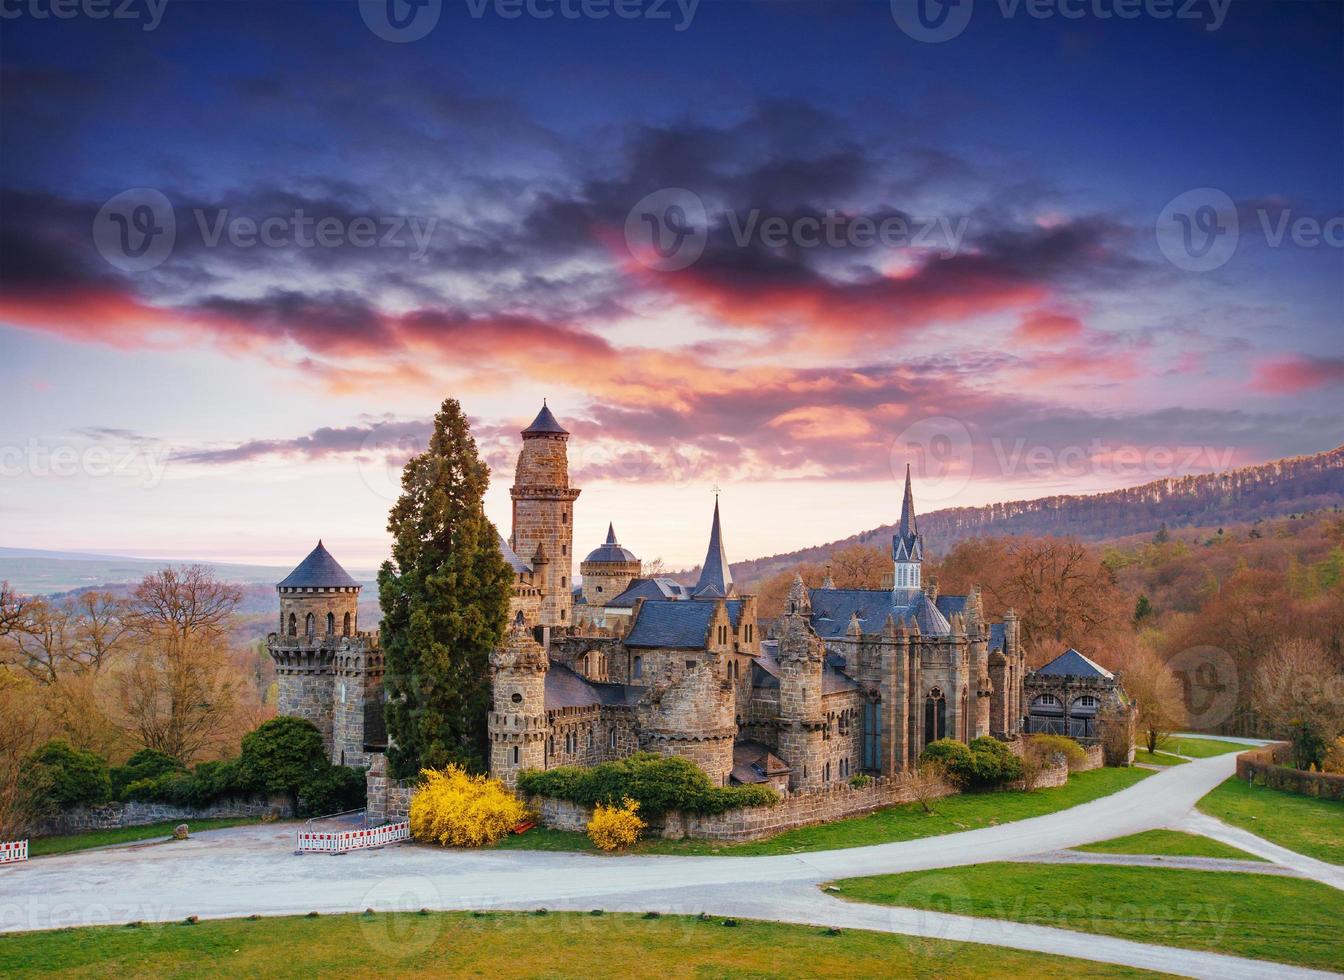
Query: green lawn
point(1287, 920)
point(125, 835)
point(1201, 748)
point(512, 945)
point(908, 821)
point(1300, 823)
point(1158, 758)
point(1175, 843)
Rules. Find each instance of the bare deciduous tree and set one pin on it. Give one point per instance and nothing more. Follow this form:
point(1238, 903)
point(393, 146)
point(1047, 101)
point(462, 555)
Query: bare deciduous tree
point(23, 728)
point(1299, 693)
point(1150, 683)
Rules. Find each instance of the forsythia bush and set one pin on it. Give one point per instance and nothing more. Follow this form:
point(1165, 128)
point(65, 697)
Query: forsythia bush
point(1334, 756)
point(455, 808)
point(614, 827)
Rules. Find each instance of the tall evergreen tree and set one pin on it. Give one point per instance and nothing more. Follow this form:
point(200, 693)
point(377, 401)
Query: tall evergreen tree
point(445, 600)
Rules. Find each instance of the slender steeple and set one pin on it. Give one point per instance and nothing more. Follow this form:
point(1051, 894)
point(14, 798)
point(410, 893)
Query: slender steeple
point(907, 545)
point(716, 577)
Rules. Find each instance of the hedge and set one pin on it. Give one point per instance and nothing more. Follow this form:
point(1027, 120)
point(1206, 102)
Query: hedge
point(984, 764)
point(59, 776)
point(658, 783)
point(1263, 767)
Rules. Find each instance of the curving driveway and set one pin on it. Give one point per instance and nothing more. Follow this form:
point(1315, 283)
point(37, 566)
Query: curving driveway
point(250, 870)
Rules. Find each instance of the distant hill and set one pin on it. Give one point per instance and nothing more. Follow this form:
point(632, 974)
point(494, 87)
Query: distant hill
point(1286, 486)
point(37, 572)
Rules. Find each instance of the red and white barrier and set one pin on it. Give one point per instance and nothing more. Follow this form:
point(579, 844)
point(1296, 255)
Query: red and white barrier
point(349, 840)
point(13, 851)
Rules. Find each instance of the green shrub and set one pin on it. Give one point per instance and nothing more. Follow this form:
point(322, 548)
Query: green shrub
point(1050, 745)
point(336, 790)
point(147, 764)
point(283, 755)
point(860, 780)
point(58, 776)
point(658, 783)
point(984, 764)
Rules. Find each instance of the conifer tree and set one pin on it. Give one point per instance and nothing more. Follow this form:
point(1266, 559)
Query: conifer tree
point(445, 601)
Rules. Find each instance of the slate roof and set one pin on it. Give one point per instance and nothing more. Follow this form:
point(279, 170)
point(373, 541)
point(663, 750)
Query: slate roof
point(567, 689)
point(925, 613)
point(996, 636)
point(716, 578)
point(834, 681)
point(1071, 663)
point(610, 552)
point(907, 544)
point(950, 605)
point(753, 762)
point(671, 623)
point(833, 608)
point(545, 424)
point(318, 571)
point(517, 564)
point(649, 588)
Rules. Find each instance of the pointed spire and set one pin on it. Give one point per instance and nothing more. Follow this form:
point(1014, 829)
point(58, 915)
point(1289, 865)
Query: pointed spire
point(545, 424)
point(908, 526)
point(611, 533)
point(716, 577)
point(798, 599)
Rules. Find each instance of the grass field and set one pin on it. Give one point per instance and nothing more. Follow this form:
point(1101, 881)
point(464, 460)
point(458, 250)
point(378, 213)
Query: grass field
point(1300, 823)
point(1200, 748)
point(1174, 843)
point(504, 944)
point(125, 835)
point(908, 821)
point(1158, 758)
point(1287, 920)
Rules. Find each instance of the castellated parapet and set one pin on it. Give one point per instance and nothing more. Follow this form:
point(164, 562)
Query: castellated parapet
point(692, 717)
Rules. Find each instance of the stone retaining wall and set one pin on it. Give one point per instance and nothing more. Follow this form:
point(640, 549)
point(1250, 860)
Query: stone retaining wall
point(752, 823)
point(111, 816)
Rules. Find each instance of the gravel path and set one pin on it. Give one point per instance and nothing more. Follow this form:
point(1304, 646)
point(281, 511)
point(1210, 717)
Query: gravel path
point(254, 869)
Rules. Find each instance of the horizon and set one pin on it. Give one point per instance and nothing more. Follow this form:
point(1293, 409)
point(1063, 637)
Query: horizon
point(755, 265)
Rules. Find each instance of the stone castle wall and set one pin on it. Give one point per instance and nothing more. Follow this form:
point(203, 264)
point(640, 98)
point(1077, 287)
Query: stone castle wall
point(112, 816)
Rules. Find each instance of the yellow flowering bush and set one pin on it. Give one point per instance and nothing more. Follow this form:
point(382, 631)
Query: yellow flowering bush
point(455, 808)
point(614, 827)
point(1334, 756)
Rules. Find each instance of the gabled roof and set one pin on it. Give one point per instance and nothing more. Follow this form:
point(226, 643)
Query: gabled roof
point(610, 552)
point(318, 571)
point(1071, 663)
point(545, 424)
point(753, 762)
point(716, 578)
point(832, 610)
point(671, 623)
point(517, 564)
point(835, 681)
point(649, 588)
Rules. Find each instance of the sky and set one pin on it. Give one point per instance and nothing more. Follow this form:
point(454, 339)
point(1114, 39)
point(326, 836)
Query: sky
point(780, 249)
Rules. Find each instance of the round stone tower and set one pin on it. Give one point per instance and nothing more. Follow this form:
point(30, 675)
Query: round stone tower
point(607, 571)
point(543, 505)
point(517, 723)
point(802, 719)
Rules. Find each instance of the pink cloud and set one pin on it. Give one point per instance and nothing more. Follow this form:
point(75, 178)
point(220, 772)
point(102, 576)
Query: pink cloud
point(1297, 372)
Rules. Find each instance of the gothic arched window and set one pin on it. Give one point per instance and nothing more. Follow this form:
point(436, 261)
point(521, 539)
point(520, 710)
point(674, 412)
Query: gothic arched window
point(331, 623)
point(309, 626)
point(935, 716)
point(346, 628)
point(293, 625)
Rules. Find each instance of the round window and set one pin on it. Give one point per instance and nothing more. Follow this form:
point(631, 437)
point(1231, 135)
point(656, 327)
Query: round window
point(517, 698)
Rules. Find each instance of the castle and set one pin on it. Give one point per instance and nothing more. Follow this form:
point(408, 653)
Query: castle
point(853, 681)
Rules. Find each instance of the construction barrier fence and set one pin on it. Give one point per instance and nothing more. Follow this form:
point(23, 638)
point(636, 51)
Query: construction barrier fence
point(338, 842)
point(12, 851)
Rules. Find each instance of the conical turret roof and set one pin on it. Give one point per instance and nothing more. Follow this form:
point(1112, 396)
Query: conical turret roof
point(318, 571)
point(610, 552)
point(545, 424)
point(716, 577)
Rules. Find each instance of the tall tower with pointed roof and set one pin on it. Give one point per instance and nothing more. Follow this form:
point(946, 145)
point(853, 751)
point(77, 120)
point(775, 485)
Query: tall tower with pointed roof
point(907, 547)
point(543, 514)
point(327, 671)
point(716, 576)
